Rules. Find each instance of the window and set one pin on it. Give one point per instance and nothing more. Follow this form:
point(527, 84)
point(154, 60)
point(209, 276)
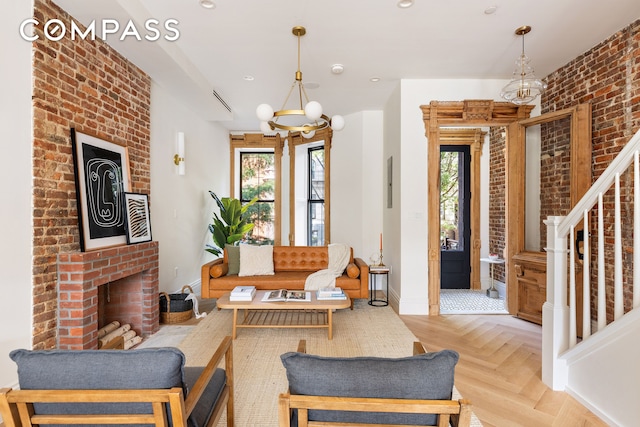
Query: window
point(257, 179)
point(315, 197)
point(256, 170)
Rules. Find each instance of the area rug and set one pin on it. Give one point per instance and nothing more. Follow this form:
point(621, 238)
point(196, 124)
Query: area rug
point(258, 372)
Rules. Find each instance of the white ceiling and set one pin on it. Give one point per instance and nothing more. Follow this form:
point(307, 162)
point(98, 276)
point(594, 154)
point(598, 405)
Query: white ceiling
point(372, 38)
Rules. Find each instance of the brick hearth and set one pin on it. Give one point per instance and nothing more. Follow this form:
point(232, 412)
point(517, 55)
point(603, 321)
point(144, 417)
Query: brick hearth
point(132, 274)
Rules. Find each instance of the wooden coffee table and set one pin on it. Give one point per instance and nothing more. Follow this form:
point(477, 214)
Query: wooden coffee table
point(290, 314)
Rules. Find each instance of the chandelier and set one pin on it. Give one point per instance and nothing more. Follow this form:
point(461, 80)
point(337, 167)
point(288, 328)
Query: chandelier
point(525, 86)
point(294, 119)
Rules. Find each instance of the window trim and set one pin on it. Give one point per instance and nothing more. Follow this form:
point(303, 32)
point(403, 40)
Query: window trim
point(257, 143)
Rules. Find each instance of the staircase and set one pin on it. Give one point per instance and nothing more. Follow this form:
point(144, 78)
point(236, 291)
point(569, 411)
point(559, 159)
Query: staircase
point(600, 368)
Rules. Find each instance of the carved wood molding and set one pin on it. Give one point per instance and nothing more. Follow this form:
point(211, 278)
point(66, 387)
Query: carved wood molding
point(474, 111)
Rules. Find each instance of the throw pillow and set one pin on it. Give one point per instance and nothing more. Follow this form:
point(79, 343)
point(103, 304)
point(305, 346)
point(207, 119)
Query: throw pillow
point(256, 260)
point(233, 258)
point(218, 270)
point(424, 376)
point(353, 271)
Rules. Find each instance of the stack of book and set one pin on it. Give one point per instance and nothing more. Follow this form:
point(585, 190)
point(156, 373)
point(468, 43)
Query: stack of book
point(242, 293)
point(330, 293)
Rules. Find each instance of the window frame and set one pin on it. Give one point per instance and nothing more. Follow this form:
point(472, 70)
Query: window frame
point(310, 200)
point(258, 143)
point(241, 197)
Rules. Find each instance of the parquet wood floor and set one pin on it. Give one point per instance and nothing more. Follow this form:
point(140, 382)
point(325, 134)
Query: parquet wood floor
point(499, 370)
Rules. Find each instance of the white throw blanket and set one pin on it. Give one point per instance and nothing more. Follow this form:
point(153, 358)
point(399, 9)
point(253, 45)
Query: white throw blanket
point(195, 305)
point(339, 255)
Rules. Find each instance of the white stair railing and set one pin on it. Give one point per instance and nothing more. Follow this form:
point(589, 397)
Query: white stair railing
point(559, 320)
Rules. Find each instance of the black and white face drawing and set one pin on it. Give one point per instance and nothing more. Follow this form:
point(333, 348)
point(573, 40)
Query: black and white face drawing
point(105, 192)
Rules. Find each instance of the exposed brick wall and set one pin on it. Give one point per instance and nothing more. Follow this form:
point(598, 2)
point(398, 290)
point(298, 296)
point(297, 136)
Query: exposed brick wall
point(555, 172)
point(607, 77)
point(497, 197)
point(89, 86)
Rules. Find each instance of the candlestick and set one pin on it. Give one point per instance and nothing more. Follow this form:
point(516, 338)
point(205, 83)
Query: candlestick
point(381, 242)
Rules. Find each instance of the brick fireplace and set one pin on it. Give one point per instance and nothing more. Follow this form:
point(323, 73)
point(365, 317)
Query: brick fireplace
point(131, 273)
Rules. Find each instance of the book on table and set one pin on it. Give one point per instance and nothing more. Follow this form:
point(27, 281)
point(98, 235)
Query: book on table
point(329, 293)
point(286, 295)
point(242, 293)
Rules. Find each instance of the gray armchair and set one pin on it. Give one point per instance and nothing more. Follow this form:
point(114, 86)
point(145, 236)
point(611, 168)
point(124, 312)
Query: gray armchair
point(104, 387)
point(341, 391)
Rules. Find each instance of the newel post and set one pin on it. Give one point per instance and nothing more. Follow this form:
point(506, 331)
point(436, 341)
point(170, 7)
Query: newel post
point(555, 312)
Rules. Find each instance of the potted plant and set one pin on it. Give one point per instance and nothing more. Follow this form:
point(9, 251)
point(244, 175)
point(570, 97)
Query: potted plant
point(231, 225)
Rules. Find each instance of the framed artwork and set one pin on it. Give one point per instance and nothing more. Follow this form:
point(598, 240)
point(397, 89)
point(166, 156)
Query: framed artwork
point(102, 178)
point(138, 223)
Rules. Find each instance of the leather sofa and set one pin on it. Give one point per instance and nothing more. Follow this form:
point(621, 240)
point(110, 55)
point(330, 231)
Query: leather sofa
point(291, 265)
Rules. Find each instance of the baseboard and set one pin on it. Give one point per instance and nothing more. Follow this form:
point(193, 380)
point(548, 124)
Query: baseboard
point(590, 407)
point(196, 285)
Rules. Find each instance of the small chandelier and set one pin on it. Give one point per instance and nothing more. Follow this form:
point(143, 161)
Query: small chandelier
point(525, 86)
point(292, 120)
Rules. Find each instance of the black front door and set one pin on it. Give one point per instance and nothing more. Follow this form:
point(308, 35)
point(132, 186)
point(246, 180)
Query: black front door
point(455, 213)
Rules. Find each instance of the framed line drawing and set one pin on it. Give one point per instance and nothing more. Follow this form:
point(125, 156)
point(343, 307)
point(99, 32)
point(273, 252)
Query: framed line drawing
point(102, 178)
point(138, 223)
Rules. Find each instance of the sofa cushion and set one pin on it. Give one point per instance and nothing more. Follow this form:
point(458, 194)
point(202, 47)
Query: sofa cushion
point(353, 271)
point(153, 368)
point(256, 260)
point(300, 258)
point(233, 258)
point(424, 376)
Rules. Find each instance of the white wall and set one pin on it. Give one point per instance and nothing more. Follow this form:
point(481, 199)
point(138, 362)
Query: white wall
point(413, 197)
point(181, 207)
point(15, 188)
point(391, 216)
point(603, 371)
point(356, 183)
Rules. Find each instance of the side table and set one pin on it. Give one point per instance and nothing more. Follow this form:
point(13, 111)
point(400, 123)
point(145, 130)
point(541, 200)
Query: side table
point(492, 292)
point(375, 272)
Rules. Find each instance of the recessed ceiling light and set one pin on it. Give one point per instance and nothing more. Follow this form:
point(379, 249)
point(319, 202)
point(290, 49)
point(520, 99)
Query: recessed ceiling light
point(248, 78)
point(403, 4)
point(207, 4)
point(374, 79)
point(490, 10)
point(337, 68)
point(311, 85)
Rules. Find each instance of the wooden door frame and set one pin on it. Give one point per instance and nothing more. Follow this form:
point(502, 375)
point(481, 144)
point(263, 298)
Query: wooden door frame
point(439, 114)
point(580, 181)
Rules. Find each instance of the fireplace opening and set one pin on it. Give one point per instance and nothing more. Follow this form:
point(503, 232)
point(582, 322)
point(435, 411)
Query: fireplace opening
point(99, 287)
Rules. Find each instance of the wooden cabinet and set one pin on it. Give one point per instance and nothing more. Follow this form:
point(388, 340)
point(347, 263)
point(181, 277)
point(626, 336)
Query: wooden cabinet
point(531, 279)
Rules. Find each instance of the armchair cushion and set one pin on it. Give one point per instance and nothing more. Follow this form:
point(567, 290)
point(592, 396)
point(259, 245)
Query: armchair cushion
point(150, 368)
point(204, 409)
point(424, 376)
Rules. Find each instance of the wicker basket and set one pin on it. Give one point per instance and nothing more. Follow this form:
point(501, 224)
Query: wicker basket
point(174, 308)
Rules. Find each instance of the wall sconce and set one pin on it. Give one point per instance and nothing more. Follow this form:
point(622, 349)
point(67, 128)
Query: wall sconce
point(178, 159)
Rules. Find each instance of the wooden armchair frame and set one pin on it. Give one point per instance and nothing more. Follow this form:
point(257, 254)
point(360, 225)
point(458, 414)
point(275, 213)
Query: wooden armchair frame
point(16, 406)
point(456, 412)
